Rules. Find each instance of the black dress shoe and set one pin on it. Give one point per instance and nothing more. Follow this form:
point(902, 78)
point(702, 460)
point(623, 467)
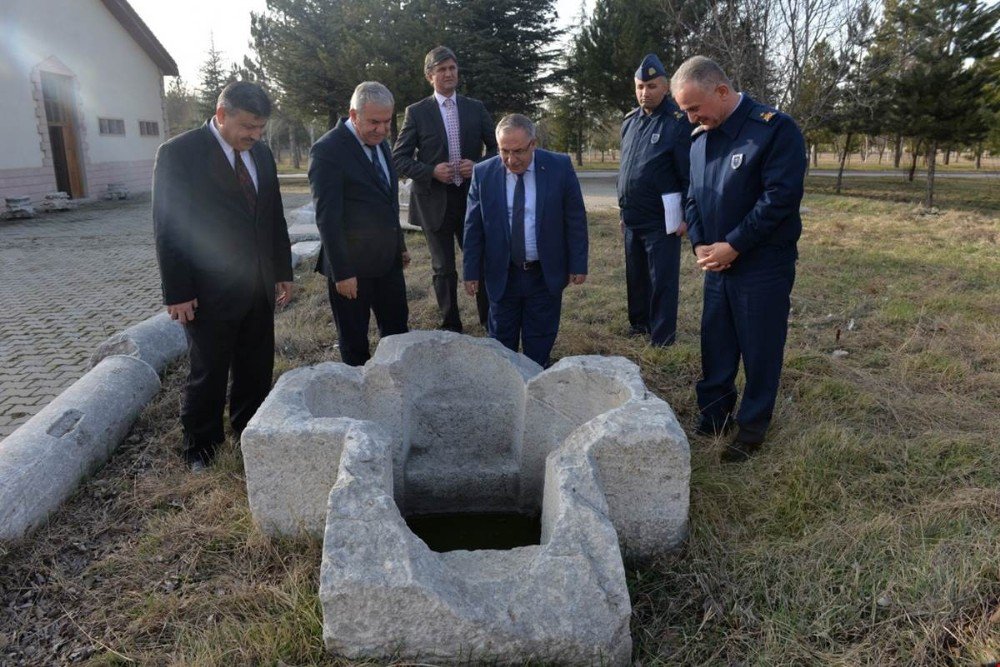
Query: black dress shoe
point(635, 332)
point(713, 427)
point(739, 451)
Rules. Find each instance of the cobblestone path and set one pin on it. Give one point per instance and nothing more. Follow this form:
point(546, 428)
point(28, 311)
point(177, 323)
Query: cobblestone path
point(68, 281)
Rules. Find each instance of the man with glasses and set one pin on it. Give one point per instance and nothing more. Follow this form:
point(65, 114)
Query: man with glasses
point(525, 238)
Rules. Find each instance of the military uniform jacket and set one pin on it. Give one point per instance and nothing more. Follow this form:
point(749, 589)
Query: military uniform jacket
point(746, 184)
point(654, 161)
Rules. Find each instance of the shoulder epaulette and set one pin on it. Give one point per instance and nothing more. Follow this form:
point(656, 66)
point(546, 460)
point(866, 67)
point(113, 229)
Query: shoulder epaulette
point(631, 113)
point(763, 114)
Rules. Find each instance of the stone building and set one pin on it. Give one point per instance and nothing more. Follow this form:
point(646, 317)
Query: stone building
point(81, 97)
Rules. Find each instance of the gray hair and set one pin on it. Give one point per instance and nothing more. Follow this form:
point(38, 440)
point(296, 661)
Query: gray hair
point(516, 121)
point(703, 72)
point(371, 92)
point(436, 56)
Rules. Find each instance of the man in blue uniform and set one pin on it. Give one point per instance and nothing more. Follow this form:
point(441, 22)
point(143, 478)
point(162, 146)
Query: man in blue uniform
point(748, 164)
point(651, 185)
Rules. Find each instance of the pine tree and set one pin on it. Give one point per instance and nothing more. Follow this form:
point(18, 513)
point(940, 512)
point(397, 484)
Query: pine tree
point(214, 78)
point(940, 87)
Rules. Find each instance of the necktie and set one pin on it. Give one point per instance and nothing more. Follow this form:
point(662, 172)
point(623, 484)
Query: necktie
point(378, 166)
point(246, 183)
point(517, 252)
point(454, 142)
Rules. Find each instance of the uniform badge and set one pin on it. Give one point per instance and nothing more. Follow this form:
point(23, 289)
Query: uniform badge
point(767, 116)
point(678, 115)
point(736, 160)
point(651, 71)
point(654, 139)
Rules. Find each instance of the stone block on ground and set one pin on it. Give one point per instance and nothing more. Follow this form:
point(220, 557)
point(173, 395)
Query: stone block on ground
point(438, 423)
point(18, 208)
point(304, 250)
point(43, 461)
point(157, 340)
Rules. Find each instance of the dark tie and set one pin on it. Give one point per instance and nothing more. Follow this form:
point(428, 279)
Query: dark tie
point(246, 183)
point(378, 166)
point(517, 224)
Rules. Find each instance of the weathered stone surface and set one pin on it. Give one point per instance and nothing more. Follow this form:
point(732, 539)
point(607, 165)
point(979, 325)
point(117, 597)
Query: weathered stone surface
point(385, 594)
point(56, 201)
point(437, 422)
point(642, 454)
point(304, 250)
point(116, 191)
point(157, 340)
point(43, 461)
point(303, 232)
point(423, 388)
point(18, 208)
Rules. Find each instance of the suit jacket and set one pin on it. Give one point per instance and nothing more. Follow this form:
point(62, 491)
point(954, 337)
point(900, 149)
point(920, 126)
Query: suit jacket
point(560, 223)
point(423, 143)
point(357, 214)
point(209, 243)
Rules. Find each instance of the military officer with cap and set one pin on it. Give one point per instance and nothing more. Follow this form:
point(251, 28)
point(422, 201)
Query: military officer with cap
point(652, 182)
point(748, 164)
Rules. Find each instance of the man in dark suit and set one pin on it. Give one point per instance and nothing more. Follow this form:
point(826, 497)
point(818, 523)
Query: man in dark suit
point(225, 262)
point(525, 238)
point(356, 194)
point(443, 136)
point(748, 165)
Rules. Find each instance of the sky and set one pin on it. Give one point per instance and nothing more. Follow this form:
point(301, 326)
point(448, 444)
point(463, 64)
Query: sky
point(187, 38)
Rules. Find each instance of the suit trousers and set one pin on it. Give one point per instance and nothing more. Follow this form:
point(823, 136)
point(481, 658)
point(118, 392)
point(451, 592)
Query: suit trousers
point(385, 296)
point(652, 271)
point(527, 313)
point(745, 316)
point(243, 348)
point(441, 243)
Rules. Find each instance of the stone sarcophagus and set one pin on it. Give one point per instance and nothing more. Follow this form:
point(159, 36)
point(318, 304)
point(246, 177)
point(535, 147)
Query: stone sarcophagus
point(451, 435)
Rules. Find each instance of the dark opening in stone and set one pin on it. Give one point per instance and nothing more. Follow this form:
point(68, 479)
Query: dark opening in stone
point(476, 530)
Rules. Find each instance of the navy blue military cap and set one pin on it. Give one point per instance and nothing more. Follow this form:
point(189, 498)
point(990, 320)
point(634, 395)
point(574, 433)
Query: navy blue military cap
point(650, 68)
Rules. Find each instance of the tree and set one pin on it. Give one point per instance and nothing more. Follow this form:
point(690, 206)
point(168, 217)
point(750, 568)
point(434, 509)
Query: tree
point(181, 108)
point(214, 78)
point(940, 87)
point(317, 51)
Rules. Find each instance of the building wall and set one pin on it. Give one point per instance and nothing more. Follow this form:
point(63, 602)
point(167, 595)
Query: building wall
point(113, 78)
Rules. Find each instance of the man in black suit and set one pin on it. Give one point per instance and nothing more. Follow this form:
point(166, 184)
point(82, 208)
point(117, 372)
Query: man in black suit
point(443, 136)
point(225, 262)
point(356, 193)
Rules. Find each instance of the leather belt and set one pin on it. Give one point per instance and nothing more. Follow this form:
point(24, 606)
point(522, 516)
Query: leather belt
point(527, 266)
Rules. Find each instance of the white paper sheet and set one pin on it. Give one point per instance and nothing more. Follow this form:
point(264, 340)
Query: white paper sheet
point(673, 214)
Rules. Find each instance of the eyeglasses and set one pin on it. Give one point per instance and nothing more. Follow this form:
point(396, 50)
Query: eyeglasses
point(519, 153)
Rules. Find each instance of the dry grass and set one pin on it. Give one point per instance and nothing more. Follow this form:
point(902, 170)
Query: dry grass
point(867, 532)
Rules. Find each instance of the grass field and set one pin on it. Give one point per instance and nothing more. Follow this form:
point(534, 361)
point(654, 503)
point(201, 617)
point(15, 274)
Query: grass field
point(866, 533)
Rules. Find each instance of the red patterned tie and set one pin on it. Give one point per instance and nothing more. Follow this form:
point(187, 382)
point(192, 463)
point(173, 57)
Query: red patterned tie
point(454, 142)
point(249, 191)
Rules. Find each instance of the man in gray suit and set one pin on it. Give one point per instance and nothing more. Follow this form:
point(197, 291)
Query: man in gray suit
point(443, 136)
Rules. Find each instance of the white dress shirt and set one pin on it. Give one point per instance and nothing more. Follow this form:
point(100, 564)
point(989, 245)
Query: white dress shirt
point(231, 155)
point(367, 149)
point(440, 100)
point(530, 241)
